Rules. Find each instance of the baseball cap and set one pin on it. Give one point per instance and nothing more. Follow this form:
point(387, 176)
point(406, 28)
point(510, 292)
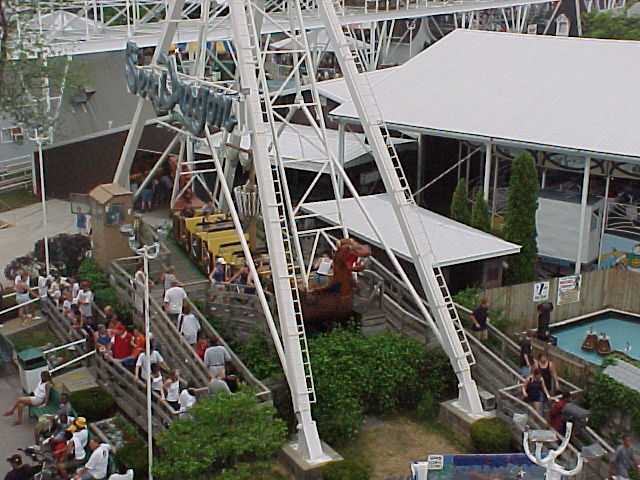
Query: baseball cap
point(221, 260)
point(15, 459)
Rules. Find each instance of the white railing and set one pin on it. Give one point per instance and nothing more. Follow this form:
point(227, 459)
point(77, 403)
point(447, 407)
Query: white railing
point(16, 173)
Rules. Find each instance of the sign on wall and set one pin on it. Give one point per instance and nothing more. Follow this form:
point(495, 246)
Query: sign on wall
point(540, 292)
point(568, 289)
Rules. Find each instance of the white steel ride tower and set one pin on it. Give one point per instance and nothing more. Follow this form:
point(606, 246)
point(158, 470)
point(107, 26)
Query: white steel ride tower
point(252, 106)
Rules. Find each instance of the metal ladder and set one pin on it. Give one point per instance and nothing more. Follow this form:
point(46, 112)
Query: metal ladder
point(366, 92)
point(292, 269)
point(455, 318)
point(442, 307)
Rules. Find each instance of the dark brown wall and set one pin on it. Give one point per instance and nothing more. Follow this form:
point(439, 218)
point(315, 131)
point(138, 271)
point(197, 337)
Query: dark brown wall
point(79, 167)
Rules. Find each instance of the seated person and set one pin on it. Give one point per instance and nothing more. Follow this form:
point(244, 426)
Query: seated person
point(102, 339)
point(40, 397)
point(96, 466)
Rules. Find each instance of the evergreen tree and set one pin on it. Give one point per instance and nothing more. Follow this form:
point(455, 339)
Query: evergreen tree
point(520, 218)
point(480, 217)
point(460, 204)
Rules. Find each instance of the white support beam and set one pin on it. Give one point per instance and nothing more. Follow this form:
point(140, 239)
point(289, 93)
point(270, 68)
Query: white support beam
point(605, 211)
point(341, 145)
point(583, 209)
point(488, 148)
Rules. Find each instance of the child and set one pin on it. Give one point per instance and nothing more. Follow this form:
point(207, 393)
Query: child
point(156, 380)
point(172, 387)
point(102, 339)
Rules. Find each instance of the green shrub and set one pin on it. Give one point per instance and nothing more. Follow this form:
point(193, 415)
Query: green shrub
point(133, 454)
point(491, 435)
point(345, 470)
point(90, 271)
point(259, 355)
point(356, 375)
point(251, 471)
point(427, 408)
point(223, 431)
point(605, 395)
point(93, 404)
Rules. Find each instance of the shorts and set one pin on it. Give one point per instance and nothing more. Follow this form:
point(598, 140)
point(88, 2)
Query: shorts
point(217, 371)
point(175, 405)
point(36, 401)
point(147, 195)
point(86, 476)
point(22, 298)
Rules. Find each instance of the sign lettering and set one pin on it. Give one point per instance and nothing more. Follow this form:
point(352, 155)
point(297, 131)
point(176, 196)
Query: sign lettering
point(199, 104)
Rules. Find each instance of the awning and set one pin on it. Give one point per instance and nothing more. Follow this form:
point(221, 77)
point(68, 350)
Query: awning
point(453, 243)
point(300, 149)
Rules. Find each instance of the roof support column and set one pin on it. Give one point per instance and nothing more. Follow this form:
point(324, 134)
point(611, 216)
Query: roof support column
point(420, 168)
point(583, 209)
point(605, 211)
point(487, 171)
point(341, 134)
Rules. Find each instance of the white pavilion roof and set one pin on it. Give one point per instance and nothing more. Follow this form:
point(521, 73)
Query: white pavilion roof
point(571, 94)
point(452, 242)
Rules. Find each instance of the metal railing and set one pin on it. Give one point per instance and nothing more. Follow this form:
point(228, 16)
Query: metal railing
point(16, 173)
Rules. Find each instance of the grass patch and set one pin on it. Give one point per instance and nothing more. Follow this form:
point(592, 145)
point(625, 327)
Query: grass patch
point(34, 337)
point(386, 446)
point(16, 199)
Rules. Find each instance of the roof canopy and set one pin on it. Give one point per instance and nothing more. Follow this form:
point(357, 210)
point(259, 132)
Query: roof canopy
point(452, 242)
point(300, 149)
point(556, 93)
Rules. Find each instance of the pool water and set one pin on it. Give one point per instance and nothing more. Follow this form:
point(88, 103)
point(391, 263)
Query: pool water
point(619, 327)
point(483, 467)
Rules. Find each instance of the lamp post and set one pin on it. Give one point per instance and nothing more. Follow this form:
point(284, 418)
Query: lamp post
point(43, 198)
point(148, 252)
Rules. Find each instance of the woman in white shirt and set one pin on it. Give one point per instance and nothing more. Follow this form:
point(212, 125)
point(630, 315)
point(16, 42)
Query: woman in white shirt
point(157, 383)
point(40, 397)
point(172, 389)
point(188, 325)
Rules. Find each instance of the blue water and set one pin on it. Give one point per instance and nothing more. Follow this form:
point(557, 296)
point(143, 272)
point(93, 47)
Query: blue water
point(481, 467)
point(619, 329)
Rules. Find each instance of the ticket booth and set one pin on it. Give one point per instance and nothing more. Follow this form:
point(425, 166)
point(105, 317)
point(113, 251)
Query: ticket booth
point(111, 208)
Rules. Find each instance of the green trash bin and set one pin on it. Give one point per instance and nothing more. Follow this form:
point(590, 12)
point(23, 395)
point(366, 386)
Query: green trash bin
point(31, 362)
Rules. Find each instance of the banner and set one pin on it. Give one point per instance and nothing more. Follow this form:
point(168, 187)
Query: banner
point(568, 289)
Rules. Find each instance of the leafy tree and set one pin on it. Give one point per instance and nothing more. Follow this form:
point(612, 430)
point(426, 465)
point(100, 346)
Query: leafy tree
point(480, 217)
point(607, 25)
point(460, 203)
point(223, 431)
point(520, 218)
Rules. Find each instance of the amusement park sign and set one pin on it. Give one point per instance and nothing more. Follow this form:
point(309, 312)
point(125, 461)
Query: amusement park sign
point(199, 104)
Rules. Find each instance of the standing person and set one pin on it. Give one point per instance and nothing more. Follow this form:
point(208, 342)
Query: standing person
point(534, 390)
point(241, 277)
point(544, 319)
point(479, 319)
point(43, 285)
point(188, 325)
point(623, 461)
point(526, 356)
point(548, 371)
point(23, 297)
point(172, 389)
point(556, 418)
point(40, 397)
point(141, 362)
point(168, 277)
point(157, 382)
point(216, 358)
point(186, 400)
point(85, 301)
point(173, 300)
point(122, 347)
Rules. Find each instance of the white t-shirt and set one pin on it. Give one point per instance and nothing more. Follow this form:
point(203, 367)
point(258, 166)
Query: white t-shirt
point(186, 400)
point(156, 385)
point(142, 362)
point(216, 356)
point(75, 289)
point(98, 462)
point(42, 286)
point(18, 279)
point(84, 299)
point(173, 391)
point(80, 439)
point(174, 297)
point(189, 328)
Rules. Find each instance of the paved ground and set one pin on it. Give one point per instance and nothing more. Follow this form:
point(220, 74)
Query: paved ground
point(11, 437)
point(19, 239)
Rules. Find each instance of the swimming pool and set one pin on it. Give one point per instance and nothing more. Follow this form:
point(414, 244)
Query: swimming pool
point(620, 328)
point(481, 467)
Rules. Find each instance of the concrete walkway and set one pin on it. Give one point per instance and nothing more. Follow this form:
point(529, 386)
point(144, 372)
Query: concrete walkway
point(20, 238)
point(11, 437)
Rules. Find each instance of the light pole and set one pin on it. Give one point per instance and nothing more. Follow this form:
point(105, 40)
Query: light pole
point(43, 198)
point(148, 252)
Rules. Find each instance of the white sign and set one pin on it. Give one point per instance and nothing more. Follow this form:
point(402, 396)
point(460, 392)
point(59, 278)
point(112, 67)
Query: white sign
point(568, 289)
point(540, 292)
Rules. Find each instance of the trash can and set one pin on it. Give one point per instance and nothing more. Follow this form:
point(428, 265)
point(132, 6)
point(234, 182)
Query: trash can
point(31, 362)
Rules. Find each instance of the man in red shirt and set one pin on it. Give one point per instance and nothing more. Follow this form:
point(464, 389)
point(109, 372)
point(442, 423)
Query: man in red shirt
point(122, 347)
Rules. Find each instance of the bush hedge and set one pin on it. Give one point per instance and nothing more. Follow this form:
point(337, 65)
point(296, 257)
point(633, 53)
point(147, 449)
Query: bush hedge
point(133, 454)
point(221, 433)
point(345, 470)
point(251, 471)
point(93, 404)
point(104, 293)
point(491, 435)
point(356, 375)
point(605, 395)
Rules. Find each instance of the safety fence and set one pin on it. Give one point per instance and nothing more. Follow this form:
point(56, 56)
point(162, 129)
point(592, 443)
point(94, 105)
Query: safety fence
point(16, 173)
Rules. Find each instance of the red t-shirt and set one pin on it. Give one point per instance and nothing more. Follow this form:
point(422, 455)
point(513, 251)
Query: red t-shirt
point(121, 347)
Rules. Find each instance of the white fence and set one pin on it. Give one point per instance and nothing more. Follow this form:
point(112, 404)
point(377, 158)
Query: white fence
point(16, 173)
